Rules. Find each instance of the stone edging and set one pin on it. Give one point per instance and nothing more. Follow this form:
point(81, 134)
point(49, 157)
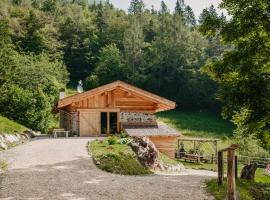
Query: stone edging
point(9, 140)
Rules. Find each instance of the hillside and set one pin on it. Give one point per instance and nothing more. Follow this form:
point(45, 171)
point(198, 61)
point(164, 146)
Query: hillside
point(9, 126)
point(198, 124)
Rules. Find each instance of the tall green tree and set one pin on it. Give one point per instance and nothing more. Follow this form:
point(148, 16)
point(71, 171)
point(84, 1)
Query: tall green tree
point(136, 7)
point(190, 18)
point(109, 67)
point(163, 8)
point(180, 8)
point(243, 72)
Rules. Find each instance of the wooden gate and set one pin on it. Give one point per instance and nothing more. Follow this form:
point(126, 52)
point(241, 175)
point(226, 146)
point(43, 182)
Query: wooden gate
point(89, 124)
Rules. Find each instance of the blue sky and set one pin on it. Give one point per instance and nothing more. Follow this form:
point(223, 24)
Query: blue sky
point(197, 5)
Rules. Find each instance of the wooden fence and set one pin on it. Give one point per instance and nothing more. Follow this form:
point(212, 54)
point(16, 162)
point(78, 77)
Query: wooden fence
point(247, 160)
point(231, 170)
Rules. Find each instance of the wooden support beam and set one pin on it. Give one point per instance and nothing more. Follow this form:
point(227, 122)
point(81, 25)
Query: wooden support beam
point(220, 168)
point(109, 98)
point(236, 167)
point(231, 193)
point(118, 122)
point(108, 122)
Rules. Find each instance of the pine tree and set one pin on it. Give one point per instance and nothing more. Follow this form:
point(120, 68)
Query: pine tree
point(136, 7)
point(163, 8)
point(190, 17)
point(180, 8)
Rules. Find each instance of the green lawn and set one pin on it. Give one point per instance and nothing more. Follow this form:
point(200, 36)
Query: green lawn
point(201, 125)
point(9, 126)
point(246, 190)
point(198, 124)
point(206, 125)
point(99, 147)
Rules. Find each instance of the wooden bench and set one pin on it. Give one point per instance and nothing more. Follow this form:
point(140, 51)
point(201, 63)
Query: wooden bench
point(193, 157)
point(60, 131)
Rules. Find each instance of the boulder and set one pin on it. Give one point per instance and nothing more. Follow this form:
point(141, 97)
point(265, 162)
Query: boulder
point(248, 172)
point(145, 150)
point(3, 145)
point(30, 133)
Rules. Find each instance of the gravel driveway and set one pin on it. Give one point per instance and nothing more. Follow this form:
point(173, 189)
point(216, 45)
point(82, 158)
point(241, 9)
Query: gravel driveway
point(52, 169)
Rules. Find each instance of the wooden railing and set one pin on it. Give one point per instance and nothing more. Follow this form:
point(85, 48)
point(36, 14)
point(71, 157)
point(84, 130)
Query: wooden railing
point(231, 170)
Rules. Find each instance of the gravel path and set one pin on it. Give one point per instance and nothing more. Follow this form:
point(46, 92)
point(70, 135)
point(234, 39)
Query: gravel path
point(60, 169)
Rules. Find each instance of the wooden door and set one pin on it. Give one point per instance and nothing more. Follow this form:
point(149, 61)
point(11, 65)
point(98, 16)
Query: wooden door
point(89, 124)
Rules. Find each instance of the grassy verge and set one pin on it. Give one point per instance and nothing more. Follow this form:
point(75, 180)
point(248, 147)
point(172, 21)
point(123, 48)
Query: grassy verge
point(9, 126)
point(260, 176)
point(116, 158)
point(246, 190)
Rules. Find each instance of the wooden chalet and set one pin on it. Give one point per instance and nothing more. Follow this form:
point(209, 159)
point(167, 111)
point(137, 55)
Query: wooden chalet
point(116, 106)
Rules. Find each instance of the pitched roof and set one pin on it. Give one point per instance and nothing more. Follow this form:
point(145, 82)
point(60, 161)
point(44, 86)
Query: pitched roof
point(111, 86)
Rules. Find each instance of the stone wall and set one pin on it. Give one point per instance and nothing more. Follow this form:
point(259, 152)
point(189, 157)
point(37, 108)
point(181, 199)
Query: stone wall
point(9, 140)
point(137, 118)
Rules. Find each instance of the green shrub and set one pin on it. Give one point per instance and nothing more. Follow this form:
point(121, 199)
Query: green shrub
point(112, 140)
point(121, 163)
point(123, 134)
point(249, 145)
point(30, 87)
point(124, 141)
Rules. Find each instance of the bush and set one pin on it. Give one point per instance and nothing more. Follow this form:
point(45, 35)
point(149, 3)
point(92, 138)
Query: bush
point(123, 134)
point(121, 163)
point(112, 140)
point(124, 141)
point(32, 109)
point(30, 87)
point(249, 145)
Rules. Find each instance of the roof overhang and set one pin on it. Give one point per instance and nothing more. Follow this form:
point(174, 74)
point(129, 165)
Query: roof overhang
point(163, 103)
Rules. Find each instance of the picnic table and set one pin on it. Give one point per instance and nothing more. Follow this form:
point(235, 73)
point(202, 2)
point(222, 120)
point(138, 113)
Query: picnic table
point(60, 131)
point(193, 157)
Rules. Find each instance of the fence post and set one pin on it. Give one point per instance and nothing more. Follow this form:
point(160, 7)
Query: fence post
point(236, 167)
point(231, 175)
point(220, 168)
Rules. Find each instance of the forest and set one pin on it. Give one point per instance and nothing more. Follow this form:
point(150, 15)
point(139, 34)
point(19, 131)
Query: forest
point(211, 63)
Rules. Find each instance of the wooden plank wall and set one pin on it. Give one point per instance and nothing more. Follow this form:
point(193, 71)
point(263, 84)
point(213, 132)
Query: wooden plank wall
point(89, 124)
point(165, 144)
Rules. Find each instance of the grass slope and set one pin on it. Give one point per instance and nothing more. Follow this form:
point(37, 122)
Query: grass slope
point(9, 126)
point(197, 124)
point(116, 158)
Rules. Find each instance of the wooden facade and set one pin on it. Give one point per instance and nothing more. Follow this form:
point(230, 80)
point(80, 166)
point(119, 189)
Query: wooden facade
point(165, 144)
point(86, 113)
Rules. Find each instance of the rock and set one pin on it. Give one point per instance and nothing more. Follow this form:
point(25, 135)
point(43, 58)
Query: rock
point(145, 150)
point(3, 145)
point(8, 140)
point(248, 172)
point(30, 133)
point(11, 138)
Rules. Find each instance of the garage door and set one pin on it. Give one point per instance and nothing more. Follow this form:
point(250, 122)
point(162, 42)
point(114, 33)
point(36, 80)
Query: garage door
point(89, 124)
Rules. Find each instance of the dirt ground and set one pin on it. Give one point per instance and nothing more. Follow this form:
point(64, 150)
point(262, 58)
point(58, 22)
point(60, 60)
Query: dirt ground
point(52, 169)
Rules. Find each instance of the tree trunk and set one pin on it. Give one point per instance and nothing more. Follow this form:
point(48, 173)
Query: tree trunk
point(248, 172)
